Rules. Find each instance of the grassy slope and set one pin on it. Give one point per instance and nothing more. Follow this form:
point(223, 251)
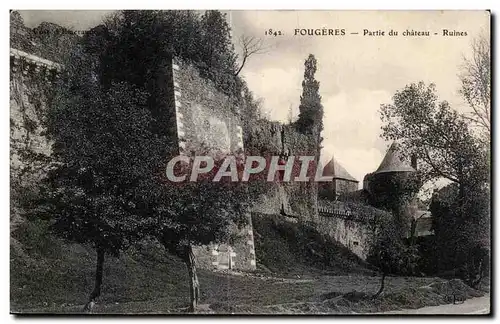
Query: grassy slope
point(290, 248)
point(48, 275)
point(48, 272)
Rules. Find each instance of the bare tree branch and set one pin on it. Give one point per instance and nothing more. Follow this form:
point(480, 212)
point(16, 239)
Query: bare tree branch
point(476, 83)
point(250, 45)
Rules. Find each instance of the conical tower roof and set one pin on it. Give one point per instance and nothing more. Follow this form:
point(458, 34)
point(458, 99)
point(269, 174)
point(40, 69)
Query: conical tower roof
point(392, 161)
point(333, 168)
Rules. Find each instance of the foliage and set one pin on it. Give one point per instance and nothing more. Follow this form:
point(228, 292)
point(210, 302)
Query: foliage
point(251, 117)
point(141, 40)
point(47, 40)
point(106, 162)
point(218, 52)
point(443, 141)
point(435, 134)
point(105, 157)
point(389, 252)
point(395, 192)
point(311, 111)
point(475, 79)
point(466, 231)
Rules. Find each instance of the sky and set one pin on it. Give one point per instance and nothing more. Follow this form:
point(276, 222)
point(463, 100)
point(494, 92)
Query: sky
point(357, 73)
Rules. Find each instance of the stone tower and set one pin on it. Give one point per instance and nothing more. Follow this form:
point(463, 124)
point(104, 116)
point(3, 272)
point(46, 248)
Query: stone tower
point(342, 181)
point(393, 187)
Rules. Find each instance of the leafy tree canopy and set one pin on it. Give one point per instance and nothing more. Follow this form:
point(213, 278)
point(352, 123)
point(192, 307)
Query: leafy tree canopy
point(436, 134)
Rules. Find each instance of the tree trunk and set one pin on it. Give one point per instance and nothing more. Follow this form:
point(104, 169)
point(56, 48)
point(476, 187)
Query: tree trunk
point(478, 277)
point(242, 65)
point(194, 285)
point(413, 230)
point(461, 199)
point(98, 282)
point(382, 285)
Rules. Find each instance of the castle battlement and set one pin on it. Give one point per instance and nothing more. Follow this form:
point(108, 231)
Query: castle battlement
point(21, 61)
point(325, 211)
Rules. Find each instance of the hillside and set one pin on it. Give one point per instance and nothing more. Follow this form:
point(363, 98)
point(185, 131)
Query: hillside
point(49, 275)
point(290, 248)
point(47, 272)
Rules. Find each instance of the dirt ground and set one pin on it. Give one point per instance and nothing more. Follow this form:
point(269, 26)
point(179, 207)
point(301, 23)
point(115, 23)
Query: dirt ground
point(52, 276)
point(226, 293)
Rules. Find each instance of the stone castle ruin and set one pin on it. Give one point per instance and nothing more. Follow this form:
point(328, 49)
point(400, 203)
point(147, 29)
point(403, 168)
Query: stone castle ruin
point(351, 216)
point(197, 114)
point(203, 117)
point(341, 184)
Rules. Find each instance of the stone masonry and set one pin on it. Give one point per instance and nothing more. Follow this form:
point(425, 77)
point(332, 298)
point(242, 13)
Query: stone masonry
point(204, 117)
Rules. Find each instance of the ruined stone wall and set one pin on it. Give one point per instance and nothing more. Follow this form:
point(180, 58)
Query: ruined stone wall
point(303, 195)
point(31, 91)
point(204, 119)
point(356, 236)
point(35, 65)
point(297, 199)
point(351, 224)
point(30, 94)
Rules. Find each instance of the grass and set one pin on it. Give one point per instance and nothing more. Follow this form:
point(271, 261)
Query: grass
point(47, 272)
point(52, 276)
point(297, 249)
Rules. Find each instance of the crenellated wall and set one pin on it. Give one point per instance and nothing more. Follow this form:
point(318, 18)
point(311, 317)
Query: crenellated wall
point(31, 90)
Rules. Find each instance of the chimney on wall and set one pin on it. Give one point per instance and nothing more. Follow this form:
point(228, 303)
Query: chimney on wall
point(414, 163)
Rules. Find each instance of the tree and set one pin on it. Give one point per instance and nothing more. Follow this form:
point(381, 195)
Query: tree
point(106, 158)
point(138, 41)
point(466, 235)
point(141, 39)
point(390, 253)
point(436, 135)
point(217, 52)
point(446, 148)
point(133, 48)
point(310, 110)
point(475, 79)
point(201, 213)
point(250, 45)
